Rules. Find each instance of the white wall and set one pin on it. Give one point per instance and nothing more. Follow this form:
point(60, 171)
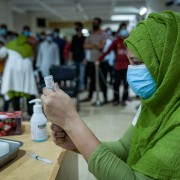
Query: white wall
point(21, 19)
point(6, 14)
point(159, 5)
point(15, 21)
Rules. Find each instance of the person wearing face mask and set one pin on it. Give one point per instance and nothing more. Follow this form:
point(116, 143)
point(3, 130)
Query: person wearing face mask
point(2, 62)
point(78, 54)
point(95, 44)
point(25, 50)
point(3, 58)
point(107, 65)
point(150, 147)
point(48, 54)
point(121, 64)
point(4, 33)
point(31, 40)
point(21, 46)
point(41, 36)
point(61, 44)
point(17, 79)
point(26, 31)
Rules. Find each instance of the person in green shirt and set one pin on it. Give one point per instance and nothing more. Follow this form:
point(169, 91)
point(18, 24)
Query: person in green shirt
point(150, 147)
point(21, 46)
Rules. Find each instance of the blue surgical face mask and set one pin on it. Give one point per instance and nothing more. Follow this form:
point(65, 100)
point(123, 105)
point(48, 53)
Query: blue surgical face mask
point(26, 33)
point(140, 81)
point(49, 38)
point(108, 33)
point(3, 32)
point(123, 33)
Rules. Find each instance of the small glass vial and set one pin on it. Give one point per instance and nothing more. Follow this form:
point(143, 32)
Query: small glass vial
point(49, 81)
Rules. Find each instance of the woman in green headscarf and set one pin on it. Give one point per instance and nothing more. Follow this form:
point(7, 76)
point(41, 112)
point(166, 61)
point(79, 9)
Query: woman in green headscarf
point(150, 149)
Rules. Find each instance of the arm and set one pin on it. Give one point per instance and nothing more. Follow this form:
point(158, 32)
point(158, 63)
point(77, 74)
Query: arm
point(112, 47)
point(56, 105)
point(56, 55)
point(39, 56)
point(72, 45)
point(102, 162)
point(101, 45)
point(72, 49)
point(89, 45)
point(121, 148)
point(105, 165)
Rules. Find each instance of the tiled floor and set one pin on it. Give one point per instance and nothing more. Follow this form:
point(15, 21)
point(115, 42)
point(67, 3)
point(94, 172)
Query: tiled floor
point(108, 123)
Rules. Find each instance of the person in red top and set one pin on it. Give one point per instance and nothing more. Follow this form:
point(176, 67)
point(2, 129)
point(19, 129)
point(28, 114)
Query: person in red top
point(121, 64)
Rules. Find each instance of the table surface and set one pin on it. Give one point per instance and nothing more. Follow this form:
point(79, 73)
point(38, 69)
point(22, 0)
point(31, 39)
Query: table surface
point(25, 167)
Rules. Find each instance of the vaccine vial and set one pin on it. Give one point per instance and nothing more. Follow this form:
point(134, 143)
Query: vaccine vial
point(49, 81)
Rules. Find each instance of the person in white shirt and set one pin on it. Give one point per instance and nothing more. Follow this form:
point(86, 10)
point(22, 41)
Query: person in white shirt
point(17, 80)
point(48, 55)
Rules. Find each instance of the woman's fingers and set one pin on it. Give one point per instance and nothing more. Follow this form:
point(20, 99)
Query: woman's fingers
point(47, 91)
point(56, 128)
point(59, 141)
point(43, 98)
point(56, 86)
point(57, 131)
point(57, 134)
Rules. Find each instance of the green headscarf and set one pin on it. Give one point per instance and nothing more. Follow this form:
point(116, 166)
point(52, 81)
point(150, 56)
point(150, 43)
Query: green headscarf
point(155, 146)
point(21, 46)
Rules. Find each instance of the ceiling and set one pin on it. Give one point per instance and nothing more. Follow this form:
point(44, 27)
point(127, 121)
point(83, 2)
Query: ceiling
point(73, 10)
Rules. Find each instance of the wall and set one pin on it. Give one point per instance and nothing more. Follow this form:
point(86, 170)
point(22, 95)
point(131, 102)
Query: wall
point(159, 5)
point(15, 21)
point(6, 14)
point(21, 19)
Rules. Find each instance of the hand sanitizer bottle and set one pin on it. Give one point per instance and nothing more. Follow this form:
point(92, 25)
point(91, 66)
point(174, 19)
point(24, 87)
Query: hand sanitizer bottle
point(38, 122)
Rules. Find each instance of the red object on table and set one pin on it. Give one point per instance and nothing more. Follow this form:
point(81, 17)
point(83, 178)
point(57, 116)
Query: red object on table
point(10, 123)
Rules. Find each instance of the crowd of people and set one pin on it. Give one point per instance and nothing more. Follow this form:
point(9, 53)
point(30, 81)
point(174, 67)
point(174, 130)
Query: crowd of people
point(23, 55)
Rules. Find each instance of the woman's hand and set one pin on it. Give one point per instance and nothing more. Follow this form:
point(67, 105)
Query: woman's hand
point(59, 108)
point(61, 138)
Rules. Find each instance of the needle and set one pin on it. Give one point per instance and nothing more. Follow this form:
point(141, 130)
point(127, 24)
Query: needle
point(34, 156)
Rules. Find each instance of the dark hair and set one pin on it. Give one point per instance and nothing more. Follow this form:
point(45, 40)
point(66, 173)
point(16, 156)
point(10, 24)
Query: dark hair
point(79, 24)
point(42, 33)
point(114, 33)
point(57, 30)
point(2, 43)
point(26, 28)
point(107, 29)
point(4, 26)
point(122, 24)
point(98, 19)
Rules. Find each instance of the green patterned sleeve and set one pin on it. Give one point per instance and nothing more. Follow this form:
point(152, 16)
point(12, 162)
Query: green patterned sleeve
point(108, 160)
point(121, 148)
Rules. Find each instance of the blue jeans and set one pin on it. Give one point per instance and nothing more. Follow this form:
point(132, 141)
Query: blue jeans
point(81, 69)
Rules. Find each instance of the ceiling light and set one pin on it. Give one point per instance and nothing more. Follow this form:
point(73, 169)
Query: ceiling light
point(123, 17)
point(125, 9)
point(85, 32)
point(143, 11)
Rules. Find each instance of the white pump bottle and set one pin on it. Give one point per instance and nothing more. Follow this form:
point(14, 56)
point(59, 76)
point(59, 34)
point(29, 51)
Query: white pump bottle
point(38, 122)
